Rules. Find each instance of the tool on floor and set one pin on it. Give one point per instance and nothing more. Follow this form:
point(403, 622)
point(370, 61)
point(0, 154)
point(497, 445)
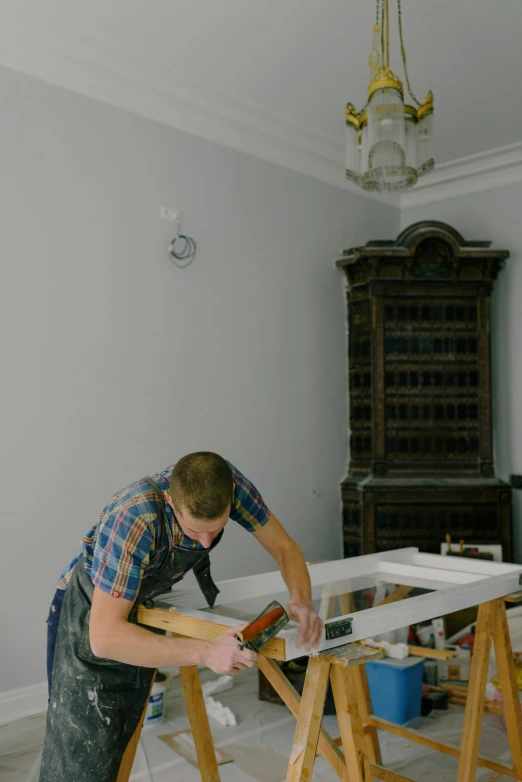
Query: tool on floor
point(263, 628)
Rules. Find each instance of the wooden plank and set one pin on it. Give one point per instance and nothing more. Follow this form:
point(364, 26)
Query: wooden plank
point(328, 601)
point(431, 654)
point(425, 741)
point(198, 719)
point(350, 724)
point(292, 700)
point(347, 603)
point(476, 693)
point(364, 700)
point(306, 736)
point(350, 654)
point(386, 774)
point(508, 683)
point(130, 753)
point(397, 594)
point(193, 627)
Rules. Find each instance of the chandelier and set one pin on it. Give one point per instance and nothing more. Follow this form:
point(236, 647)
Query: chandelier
point(389, 143)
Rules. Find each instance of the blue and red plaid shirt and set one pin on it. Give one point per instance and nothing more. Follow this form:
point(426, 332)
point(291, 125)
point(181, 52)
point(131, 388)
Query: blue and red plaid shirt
point(130, 541)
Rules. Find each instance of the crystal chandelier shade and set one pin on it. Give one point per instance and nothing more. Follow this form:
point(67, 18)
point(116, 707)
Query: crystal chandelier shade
point(389, 144)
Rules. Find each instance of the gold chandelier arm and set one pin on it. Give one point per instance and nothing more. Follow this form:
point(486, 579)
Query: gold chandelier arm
point(403, 53)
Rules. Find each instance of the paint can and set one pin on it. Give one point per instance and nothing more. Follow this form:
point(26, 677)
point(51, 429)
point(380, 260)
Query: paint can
point(156, 706)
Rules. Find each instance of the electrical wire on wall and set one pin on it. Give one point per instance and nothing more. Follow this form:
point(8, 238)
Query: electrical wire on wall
point(182, 250)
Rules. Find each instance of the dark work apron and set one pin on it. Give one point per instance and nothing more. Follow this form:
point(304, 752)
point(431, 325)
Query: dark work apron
point(96, 703)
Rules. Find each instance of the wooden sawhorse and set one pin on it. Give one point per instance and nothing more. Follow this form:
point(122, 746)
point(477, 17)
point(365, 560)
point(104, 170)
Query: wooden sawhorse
point(360, 759)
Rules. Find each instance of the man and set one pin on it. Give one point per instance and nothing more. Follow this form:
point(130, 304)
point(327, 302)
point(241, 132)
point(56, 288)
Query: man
point(100, 662)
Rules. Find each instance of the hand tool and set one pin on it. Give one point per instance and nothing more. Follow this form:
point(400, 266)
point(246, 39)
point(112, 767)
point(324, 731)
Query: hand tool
point(263, 628)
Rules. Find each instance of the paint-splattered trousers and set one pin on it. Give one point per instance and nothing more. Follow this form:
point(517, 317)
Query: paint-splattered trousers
point(95, 704)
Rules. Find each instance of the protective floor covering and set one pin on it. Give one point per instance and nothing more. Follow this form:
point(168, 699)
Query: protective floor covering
point(260, 744)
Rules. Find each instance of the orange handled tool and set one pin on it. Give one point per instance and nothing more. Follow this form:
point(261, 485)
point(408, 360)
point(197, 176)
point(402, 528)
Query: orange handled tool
point(263, 628)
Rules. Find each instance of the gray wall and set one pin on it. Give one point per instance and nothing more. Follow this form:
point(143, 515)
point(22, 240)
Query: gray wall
point(495, 215)
point(115, 363)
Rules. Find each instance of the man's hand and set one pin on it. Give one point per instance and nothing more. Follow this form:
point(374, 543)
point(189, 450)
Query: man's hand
point(223, 655)
point(311, 625)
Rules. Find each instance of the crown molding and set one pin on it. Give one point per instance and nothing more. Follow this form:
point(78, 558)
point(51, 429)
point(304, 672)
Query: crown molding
point(37, 44)
point(472, 174)
point(60, 54)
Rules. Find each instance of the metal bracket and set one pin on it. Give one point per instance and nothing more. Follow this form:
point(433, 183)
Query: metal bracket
point(338, 629)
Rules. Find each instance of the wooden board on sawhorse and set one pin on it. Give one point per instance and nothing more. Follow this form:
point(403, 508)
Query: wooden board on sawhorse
point(360, 759)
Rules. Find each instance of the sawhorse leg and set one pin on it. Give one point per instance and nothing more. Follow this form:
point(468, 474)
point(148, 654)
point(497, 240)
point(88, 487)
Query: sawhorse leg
point(306, 737)
point(292, 701)
point(350, 724)
point(200, 727)
point(491, 627)
point(130, 753)
point(199, 724)
point(342, 665)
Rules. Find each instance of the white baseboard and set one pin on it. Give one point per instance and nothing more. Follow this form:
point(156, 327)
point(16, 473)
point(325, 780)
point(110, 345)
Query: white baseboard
point(28, 701)
point(24, 702)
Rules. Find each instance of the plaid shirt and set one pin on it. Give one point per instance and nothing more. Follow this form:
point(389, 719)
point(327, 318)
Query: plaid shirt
point(130, 541)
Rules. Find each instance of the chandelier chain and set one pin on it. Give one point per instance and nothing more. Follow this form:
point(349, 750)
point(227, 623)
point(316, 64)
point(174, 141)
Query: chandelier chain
point(382, 33)
point(403, 52)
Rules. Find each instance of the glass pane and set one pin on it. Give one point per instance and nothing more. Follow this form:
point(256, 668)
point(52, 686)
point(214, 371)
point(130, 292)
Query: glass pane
point(338, 598)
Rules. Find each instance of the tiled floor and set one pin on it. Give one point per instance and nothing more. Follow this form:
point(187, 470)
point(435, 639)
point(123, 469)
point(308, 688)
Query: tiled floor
point(259, 745)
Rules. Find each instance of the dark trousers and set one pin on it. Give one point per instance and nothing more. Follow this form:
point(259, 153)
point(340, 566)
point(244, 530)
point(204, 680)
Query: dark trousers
point(52, 630)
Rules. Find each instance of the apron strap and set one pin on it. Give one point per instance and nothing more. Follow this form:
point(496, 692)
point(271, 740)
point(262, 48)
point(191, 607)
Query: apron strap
point(205, 580)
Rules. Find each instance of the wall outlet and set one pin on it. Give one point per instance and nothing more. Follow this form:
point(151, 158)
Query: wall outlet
point(170, 213)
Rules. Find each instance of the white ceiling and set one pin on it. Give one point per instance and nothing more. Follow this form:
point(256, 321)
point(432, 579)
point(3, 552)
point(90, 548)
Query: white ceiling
point(291, 64)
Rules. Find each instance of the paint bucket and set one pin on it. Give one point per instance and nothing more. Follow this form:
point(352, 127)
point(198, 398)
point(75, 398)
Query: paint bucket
point(156, 705)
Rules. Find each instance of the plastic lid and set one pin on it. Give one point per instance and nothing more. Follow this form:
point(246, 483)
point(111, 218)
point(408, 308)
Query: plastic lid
point(406, 663)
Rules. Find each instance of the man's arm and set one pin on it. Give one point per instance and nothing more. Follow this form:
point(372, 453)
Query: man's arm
point(289, 557)
point(112, 636)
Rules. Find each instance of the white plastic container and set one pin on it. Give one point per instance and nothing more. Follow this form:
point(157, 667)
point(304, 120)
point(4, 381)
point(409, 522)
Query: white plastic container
point(424, 633)
point(156, 706)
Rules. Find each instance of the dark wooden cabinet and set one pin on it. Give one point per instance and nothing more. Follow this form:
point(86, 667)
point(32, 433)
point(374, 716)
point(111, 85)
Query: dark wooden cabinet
point(419, 371)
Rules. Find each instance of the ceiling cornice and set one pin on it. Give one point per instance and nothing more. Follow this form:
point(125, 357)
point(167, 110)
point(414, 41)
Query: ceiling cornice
point(63, 55)
point(472, 174)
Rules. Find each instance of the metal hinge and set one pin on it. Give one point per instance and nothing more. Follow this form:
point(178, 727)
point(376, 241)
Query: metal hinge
point(338, 629)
